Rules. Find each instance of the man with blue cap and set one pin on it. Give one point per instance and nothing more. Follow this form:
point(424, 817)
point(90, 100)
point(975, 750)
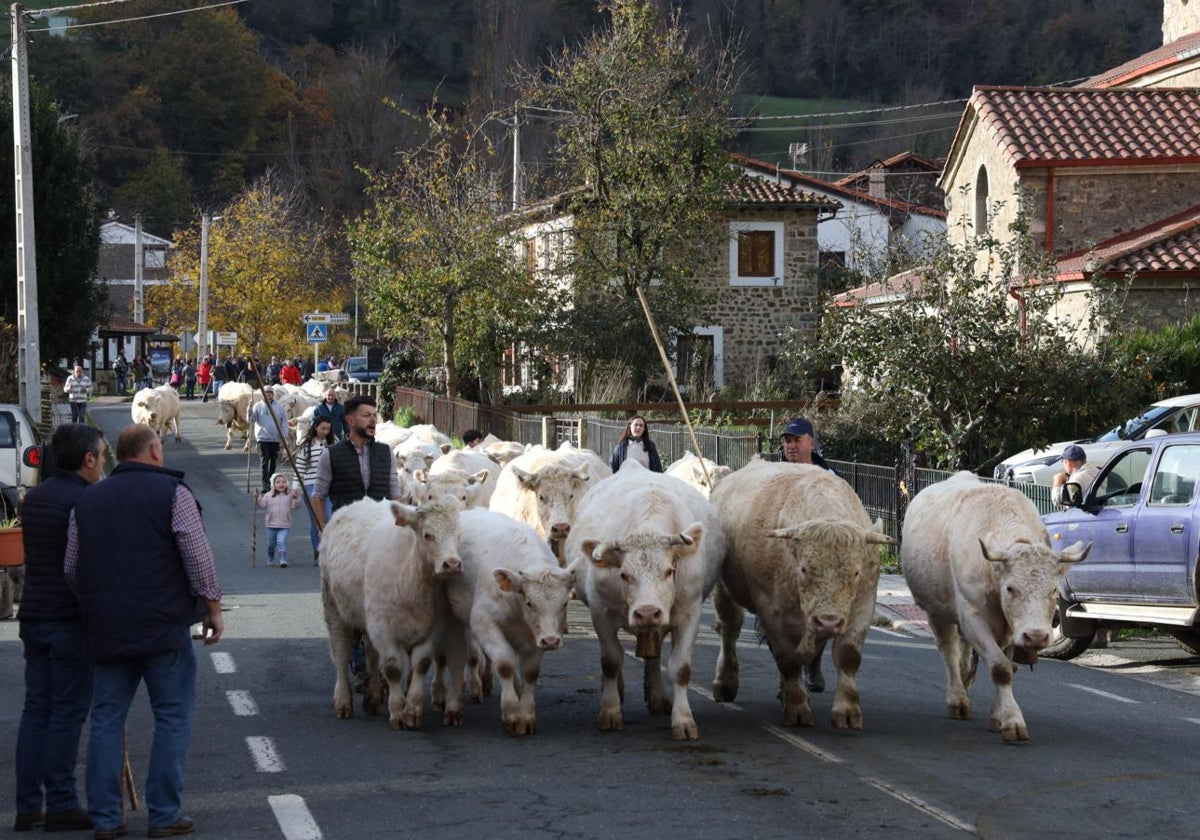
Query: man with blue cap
point(800, 447)
point(1079, 474)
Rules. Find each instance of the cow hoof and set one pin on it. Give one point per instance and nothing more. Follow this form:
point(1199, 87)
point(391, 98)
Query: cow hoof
point(395, 725)
point(452, 718)
point(725, 692)
point(438, 704)
point(960, 711)
point(658, 705)
point(847, 719)
point(608, 722)
point(686, 731)
point(343, 712)
point(521, 725)
point(799, 717)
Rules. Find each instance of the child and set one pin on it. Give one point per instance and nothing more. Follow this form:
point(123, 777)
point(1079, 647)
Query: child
point(279, 505)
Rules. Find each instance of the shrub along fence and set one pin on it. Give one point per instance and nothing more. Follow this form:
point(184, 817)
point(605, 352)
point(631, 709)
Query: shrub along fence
point(883, 490)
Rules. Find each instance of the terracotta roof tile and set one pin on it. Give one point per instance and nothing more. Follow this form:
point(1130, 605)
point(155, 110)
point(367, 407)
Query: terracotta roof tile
point(1039, 126)
point(1168, 245)
point(1178, 50)
point(749, 190)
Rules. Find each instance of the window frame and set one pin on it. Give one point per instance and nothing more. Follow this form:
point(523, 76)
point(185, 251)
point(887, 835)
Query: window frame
point(777, 229)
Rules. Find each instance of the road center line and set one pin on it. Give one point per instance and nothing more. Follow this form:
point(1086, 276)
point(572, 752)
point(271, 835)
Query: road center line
point(266, 758)
point(294, 818)
point(920, 804)
point(243, 704)
point(1192, 720)
point(223, 663)
point(1100, 693)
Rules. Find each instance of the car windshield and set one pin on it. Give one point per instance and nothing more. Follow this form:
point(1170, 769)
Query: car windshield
point(1135, 428)
point(356, 364)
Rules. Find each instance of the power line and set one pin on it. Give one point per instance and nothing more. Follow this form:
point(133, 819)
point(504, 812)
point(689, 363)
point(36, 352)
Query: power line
point(900, 120)
point(851, 113)
point(44, 12)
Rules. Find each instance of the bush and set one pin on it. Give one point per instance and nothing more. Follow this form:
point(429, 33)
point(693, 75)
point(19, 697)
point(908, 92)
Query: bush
point(405, 416)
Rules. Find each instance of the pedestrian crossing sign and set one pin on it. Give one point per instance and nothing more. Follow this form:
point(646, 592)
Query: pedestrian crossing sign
point(317, 333)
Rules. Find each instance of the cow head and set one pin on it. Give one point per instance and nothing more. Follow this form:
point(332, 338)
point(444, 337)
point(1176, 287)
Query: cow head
point(646, 562)
point(1027, 575)
point(149, 403)
point(436, 527)
point(557, 490)
point(454, 484)
point(831, 559)
point(544, 593)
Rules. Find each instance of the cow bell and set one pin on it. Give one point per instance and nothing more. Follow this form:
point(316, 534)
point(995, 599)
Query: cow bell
point(649, 644)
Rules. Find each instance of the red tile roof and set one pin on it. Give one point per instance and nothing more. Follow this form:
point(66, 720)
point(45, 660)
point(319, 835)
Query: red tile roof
point(127, 326)
point(916, 161)
point(748, 190)
point(1175, 52)
point(896, 287)
point(1168, 245)
point(1075, 126)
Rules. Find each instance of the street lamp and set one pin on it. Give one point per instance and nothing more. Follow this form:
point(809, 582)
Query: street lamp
point(206, 221)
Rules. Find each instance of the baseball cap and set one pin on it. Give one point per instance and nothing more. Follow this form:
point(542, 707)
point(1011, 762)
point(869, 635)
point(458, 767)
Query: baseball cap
point(1074, 452)
point(799, 427)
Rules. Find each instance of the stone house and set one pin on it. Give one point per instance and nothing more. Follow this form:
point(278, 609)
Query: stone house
point(121, 331)
point(1108, 175)
point(763, 280)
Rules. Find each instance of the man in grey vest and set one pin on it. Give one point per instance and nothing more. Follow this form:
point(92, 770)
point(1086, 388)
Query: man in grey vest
point(357, 467)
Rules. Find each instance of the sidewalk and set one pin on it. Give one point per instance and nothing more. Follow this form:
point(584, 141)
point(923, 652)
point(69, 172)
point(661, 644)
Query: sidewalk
point(894, 602)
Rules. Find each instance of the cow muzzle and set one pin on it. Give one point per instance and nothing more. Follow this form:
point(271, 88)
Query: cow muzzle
point(450, 567)
point(826, 625)
point(560, 530)
point(549, 642)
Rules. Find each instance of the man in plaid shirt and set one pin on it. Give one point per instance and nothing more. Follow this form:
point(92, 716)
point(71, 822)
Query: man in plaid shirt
point(141, 584)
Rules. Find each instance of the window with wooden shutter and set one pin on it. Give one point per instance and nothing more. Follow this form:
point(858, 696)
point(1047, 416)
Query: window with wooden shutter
point(756, 253)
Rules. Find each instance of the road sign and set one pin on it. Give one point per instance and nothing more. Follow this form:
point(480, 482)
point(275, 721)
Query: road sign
point(317, 333)
point(226, 339)
point(335, 318)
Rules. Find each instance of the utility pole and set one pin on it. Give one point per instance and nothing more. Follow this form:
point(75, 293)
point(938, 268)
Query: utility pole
point(139, 286)
point(202, 331)
point(28, 337)
point(516, 161)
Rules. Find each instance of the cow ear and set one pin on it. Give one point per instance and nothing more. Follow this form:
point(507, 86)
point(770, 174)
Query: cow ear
point(527, 478)
point(421, 476)
point(405, 516)
point(991, 551)
point(687, 543)
point(604, 555)
point(507, 580)
point(446, 448)
point(480, 477)
point(1075, 553)
point(582, 474)
point(782, 533)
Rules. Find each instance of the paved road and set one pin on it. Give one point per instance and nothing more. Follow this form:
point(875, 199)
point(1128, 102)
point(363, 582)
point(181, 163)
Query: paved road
point(1110, 756)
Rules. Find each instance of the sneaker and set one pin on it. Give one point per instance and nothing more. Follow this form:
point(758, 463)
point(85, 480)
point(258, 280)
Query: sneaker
point(183, 825)
point(283, 564)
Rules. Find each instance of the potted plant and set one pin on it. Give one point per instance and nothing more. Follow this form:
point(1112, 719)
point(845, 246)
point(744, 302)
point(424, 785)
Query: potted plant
point(12, 549)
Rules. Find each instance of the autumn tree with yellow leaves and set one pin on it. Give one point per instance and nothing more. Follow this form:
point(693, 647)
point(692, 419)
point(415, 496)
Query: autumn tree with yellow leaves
point(269, 262)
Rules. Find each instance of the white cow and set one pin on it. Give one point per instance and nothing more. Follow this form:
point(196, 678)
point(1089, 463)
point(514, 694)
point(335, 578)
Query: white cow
point(978, 561)
point(648, 551)
point(503, 451)
point(158, 408)
point(698, 472)
point(382, 565)
point(513, 597)
point(543, 487)
point(391, 434)
point(414, 456)
point(803, 557)
point(465, 474)
point(233, 408)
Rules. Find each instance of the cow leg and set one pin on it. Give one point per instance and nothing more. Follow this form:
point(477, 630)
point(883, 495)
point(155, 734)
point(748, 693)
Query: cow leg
point(531, 670)
point(228, 438)
point(612, 656)
point(476, 663)
point(729, 624)
point(454, 647)
point(796, 710)
point(391, 664)
point(437, 693)
point(373, 683)
point(497, 648)
point(1006, 717)
point(950, 646)
point(679, 665)
point(847, 711)
point(413, 702)
point(341, 642)
point(654, 690)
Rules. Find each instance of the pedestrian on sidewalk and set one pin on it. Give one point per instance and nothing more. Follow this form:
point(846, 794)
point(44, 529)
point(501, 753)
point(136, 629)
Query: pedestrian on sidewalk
point(189, 379)
point(58, 673)
point(121, 371)
point(77, 388)
point(267, 432)
point(318, 439)
point(141, 565)
point(278, 504)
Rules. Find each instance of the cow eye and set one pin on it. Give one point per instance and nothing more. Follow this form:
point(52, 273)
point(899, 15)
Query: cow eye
point(670, 571)
point(625, 576)
point(528, 603)
point(1012, 590)
point(429, 537)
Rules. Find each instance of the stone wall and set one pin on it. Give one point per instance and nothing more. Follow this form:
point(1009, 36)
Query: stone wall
point(1180, 17)
point(754, 319)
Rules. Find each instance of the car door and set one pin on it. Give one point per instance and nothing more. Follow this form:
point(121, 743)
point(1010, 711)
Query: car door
point(1108, 521)
point(1164, 538)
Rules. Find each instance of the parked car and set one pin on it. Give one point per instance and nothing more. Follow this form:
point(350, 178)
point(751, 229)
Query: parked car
point(20, 455)
point(1142, 517)
point(1165, 417)
point(357, 368)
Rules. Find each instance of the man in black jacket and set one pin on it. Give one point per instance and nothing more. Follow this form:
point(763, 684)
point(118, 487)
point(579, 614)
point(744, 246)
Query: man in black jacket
point(58, 674)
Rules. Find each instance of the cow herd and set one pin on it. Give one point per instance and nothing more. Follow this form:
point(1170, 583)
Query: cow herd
point(472, 576)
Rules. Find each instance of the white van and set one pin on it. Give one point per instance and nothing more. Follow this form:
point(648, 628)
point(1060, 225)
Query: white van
point(20, 455)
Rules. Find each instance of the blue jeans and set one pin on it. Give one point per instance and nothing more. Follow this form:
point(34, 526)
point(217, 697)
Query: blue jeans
point(78, 412)
point(58, 689)
point(312, 529)
point(277, 545)
point(171, 683)
point(121, 383)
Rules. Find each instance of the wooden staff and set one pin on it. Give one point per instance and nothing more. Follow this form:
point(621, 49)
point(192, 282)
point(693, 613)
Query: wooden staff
point(127, 777)
point(254, 533)
point(285, 442)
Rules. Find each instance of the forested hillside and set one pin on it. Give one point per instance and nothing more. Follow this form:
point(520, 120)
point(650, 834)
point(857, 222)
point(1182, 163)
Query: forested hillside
point(183, 110)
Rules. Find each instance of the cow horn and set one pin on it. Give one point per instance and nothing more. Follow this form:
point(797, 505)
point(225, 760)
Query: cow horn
point(876, 538)
point(681, 539)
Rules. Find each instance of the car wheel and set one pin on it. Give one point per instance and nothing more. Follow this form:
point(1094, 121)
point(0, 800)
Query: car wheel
point(1189, 640)
point(1064, 647)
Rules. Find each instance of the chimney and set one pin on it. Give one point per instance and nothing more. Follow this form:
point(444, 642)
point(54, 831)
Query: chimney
point(875, 180)
point(1180, 17)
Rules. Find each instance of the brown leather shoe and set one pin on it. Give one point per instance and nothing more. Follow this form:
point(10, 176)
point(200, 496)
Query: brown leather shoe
point(75, 819)
point(28, 821)
point(183, 825)
point(110, 833)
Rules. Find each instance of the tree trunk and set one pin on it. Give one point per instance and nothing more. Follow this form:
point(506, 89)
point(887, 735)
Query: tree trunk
point(448, 359)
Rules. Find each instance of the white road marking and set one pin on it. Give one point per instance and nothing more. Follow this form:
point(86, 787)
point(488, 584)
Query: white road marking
point(243, 704)
point(1100, 693)
point(707, 695)
point(262, 750)
point(294, 818)
point(797, 741)
point(1192, 720)
point(223, 663)
point(886, 643)
point(920, 804)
